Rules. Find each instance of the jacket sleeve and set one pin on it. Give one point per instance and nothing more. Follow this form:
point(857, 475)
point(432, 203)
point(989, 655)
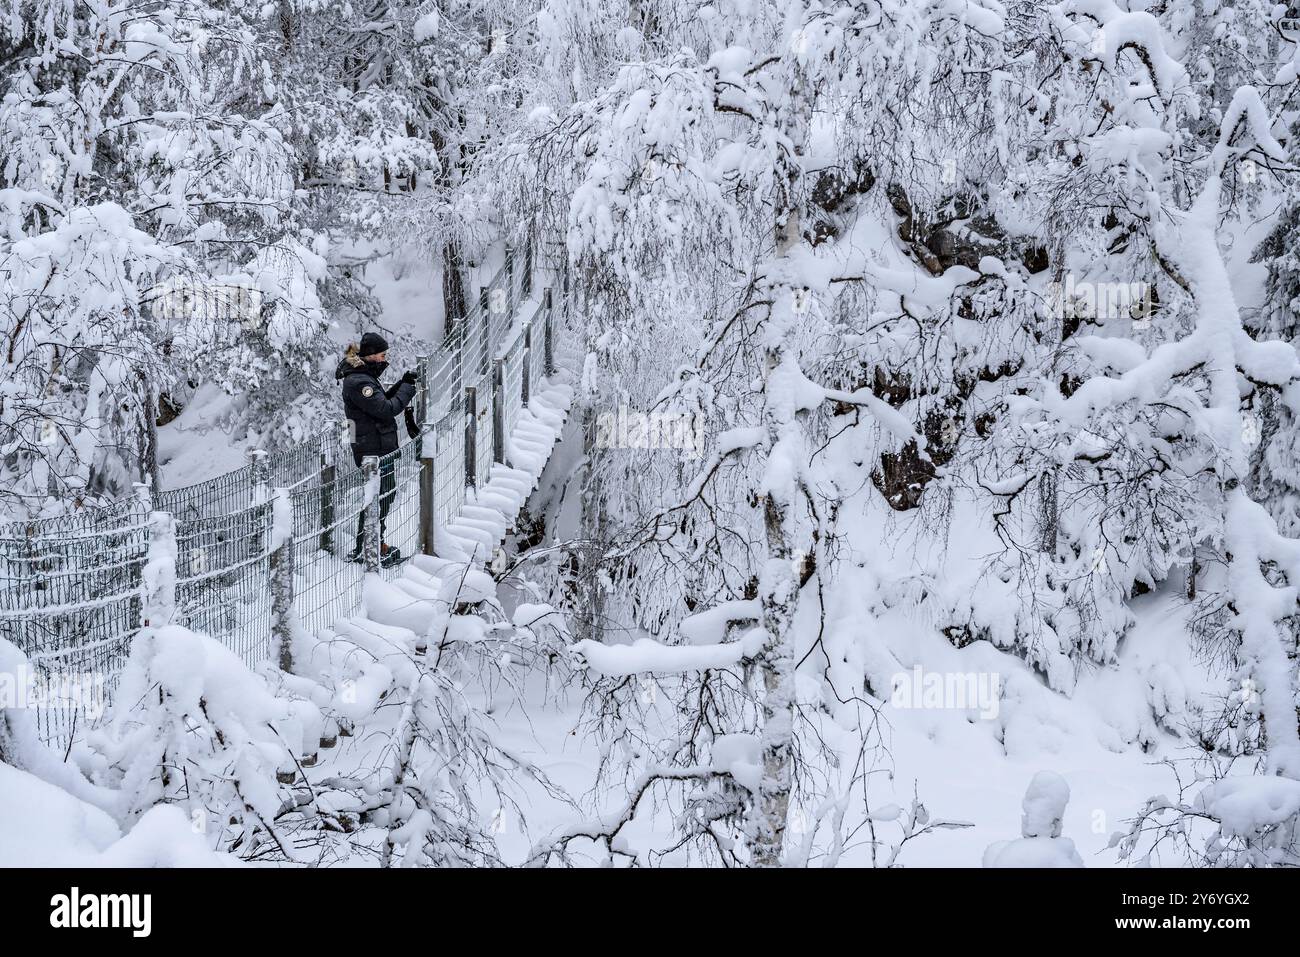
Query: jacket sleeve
point(380, 406)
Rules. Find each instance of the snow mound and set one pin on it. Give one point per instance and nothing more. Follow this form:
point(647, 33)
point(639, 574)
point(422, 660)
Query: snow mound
point(43, 825)
point(1040, 844)
point(1044, 805)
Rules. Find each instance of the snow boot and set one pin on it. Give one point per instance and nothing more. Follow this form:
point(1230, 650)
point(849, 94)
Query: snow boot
point(388, 556)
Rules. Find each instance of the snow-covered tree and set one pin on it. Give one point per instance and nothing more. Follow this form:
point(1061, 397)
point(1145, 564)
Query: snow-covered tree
point(150, 240)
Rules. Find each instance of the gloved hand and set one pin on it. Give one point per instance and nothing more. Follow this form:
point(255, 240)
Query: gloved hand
point(409, 377)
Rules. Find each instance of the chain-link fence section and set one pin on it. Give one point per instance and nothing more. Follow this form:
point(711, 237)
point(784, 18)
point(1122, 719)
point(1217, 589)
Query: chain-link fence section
point(290, 527)
point(449, 468)
point(72, 606)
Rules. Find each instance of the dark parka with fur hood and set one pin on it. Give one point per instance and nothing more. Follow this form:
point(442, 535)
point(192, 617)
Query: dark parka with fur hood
point(372, 409)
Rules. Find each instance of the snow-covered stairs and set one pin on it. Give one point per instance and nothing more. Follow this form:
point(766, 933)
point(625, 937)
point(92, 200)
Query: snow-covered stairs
point(396, 614)
point(489, 512)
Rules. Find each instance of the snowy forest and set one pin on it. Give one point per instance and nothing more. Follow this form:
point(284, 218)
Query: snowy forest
point(830, 433)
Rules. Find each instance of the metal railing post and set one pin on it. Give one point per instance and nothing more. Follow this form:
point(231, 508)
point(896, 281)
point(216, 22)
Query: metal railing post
point(261, 474)
point(485, 299)
point(280, 565)
point(424, 451)
point(548, 338)
point(259, 493)
point(510, 280)
point(158, 579)
point(498, 412)
point(370, 527)
point(528, 267)
point(328, 443)
point(421, 388)
point(471, 436)
point(526, 370)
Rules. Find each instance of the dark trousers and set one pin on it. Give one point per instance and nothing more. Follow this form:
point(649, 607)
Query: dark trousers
point(387, 493)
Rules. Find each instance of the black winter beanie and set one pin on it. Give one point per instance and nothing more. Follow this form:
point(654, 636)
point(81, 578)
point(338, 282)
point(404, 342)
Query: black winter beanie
point(372, 343)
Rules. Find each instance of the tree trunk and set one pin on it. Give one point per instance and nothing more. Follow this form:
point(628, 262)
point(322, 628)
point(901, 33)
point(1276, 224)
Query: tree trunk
point(454, 306)
point(778, 579)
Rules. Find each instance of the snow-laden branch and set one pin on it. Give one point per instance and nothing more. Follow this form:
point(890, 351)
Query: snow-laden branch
point(646, 656)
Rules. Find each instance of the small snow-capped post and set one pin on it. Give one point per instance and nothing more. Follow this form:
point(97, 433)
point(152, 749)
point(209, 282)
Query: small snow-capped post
point(280, 563)
point(471, 436)
point(260, 466)
point(143, 496)
point(260, 492)
point(498, 303)
point(1040, 843)
point(456, 343)
point(328, 443)
point(525, 386)
point(548, 340)
point(425, 452)
point(370, 534)
point(498, 411)
point(158, 578)
point(420, 406)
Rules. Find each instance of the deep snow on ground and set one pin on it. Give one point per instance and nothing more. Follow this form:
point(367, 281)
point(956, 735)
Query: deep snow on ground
point(963, 764)
point(955, 764)
point(45, 826)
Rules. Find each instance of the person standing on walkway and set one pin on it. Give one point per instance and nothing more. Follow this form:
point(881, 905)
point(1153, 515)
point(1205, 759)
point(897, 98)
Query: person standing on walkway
point(372, 412)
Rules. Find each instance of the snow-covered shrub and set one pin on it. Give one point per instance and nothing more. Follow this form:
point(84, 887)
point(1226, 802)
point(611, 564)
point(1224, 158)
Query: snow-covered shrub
point(51, 815)
point(195, 728)
point(1040, 843)
point(1228, 817)
point(422, 668)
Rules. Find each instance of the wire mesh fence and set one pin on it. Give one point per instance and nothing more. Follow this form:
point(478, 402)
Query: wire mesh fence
point(448, 469)
point(401, 531)
point(535, 355)
point(512, 384)
point(327, 515)
point(483, 450)
point(218, 496)
point(72, 586)
point(72, 605)
point(221, 575)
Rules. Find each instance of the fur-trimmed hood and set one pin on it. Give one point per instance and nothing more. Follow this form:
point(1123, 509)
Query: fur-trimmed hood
point(353, 363)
